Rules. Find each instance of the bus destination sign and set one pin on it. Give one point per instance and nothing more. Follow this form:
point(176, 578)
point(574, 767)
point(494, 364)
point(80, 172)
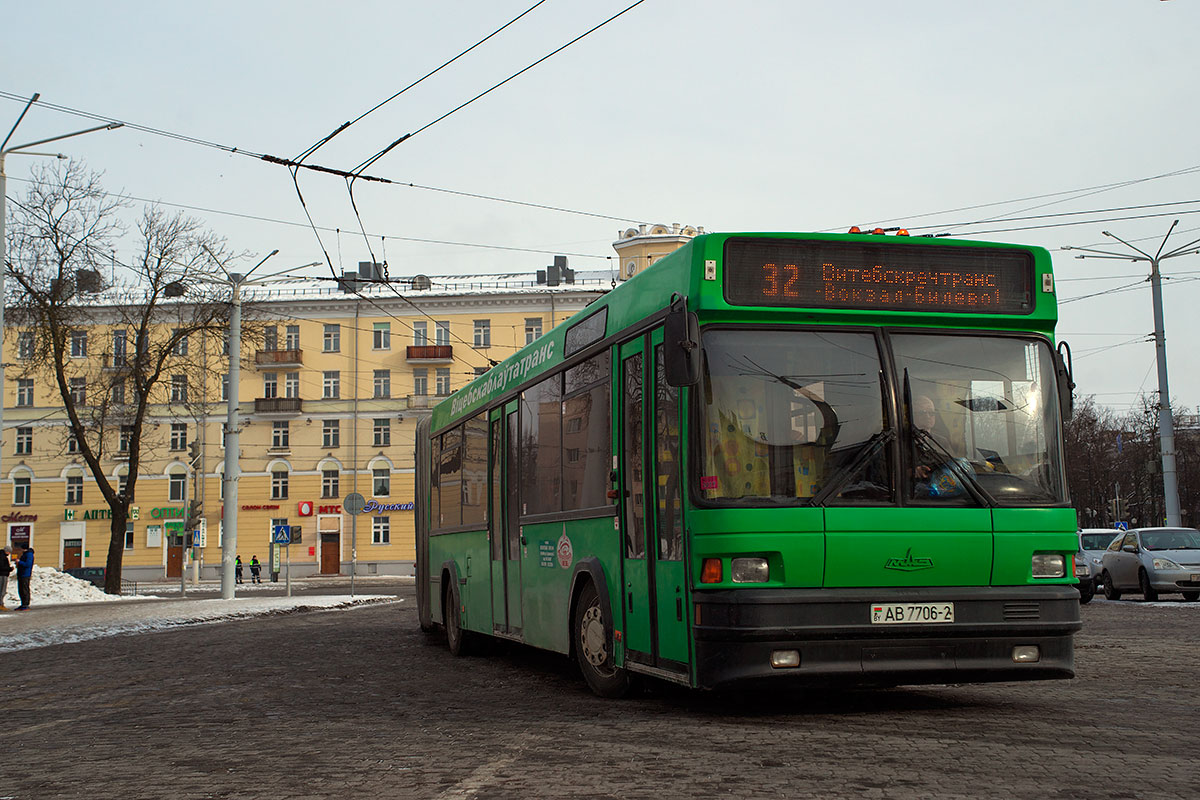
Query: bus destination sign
point(878, 276)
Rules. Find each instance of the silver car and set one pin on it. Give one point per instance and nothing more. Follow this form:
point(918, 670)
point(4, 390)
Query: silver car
point(1153, 561)
point(1088, 566)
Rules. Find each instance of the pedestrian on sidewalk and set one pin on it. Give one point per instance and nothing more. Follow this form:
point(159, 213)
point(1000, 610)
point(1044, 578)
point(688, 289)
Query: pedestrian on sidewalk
point(255, 570)
point(5, 571)
point(24, 574)
point(237, 568)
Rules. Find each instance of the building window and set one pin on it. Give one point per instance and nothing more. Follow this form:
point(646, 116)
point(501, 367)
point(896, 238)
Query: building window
point(329, 483)
point(25, 345)
point(333, 339)
point(24, 441)
point(291, 384)
point(383, 433)
point(381, 485)
point(122, 484)
point(443, 381)
point(117, 393)
point(119, 345)
point(442, 332)
point(72, 443)
point(225, 386)
point(483, 333)
point(383, 383)
point(420, 333)
point(124, 438)
point(331, 433)
point(279, 484)
point(24, 391)
point(21, 491)
point(381, 530)
point(74, 490)
point(533, 328)
point(270, 338)
point(383, 336)
point(178, 435)
point(331, 385)
point(420, 382)
point(279, 435)
point(78, 391)
point(270, 385)
point(180, 346)
point(128, 535)
point(179, 388)
point(177, 486)
point(291, 338)
point(78, 344)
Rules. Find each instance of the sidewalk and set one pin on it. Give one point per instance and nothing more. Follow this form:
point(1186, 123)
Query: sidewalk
point(58, 624)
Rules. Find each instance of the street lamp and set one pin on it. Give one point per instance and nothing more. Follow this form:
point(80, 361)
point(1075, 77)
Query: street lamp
point(23, 150)
point(235, 281)
point(1166, 422)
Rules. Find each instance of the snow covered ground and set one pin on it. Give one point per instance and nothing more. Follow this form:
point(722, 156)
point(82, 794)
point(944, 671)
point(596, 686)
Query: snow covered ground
point(66, 609)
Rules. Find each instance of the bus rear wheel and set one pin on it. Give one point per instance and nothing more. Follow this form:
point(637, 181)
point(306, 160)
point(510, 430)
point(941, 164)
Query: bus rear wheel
point(594, 649)
point(458, 640)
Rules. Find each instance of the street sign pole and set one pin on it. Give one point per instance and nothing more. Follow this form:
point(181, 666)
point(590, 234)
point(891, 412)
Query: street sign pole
point(287, 548)
point(354, 503)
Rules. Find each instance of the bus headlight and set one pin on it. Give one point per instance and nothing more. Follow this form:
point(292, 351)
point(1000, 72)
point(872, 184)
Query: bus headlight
point(750, 570)
point(1049, 565)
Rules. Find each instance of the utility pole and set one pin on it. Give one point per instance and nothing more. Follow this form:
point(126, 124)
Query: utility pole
point(22, 149)
point(1166, 422)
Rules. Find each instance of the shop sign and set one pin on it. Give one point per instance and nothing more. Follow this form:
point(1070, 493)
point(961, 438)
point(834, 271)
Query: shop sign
point(17, 516)
point(374, 506)
point(335, 509)
point(19, 535)
point(168, 511)
point(304, 508)
point(261, 507)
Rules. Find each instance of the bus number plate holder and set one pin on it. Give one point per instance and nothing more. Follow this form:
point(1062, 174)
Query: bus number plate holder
point(911, 613)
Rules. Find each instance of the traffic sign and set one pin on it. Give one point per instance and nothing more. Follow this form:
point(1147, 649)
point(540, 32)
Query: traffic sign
point(282, 534)
point(1122, 526)
point(354, 503)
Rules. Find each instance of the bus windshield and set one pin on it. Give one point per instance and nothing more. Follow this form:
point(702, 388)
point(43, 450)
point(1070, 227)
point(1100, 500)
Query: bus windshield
point(786, 412)
point(982, 416)
point(798, 417)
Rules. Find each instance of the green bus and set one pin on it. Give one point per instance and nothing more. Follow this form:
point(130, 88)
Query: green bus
point(769, 456)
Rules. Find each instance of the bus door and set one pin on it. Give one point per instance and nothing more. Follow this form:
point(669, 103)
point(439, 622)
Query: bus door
point(636, 598)
point(666, 517)
point(496, 541)
point(511, 515)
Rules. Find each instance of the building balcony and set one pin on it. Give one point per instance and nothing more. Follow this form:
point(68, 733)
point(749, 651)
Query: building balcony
point(266, 359)
point(425, 400)
point(430, 353)
point(277, 405)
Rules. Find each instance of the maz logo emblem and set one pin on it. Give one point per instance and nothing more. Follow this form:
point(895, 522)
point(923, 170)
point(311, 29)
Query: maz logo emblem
point(908, 563)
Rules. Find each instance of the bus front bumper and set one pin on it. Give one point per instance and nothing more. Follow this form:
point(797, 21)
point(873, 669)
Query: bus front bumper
point(740, 632)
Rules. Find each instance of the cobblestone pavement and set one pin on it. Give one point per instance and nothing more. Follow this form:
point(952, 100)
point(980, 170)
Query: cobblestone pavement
point(360, 704)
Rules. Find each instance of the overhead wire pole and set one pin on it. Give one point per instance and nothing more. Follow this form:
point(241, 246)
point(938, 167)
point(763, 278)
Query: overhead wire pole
point(22, 149)
point(1166, 421)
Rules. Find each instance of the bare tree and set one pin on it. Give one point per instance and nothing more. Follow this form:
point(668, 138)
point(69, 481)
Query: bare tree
point(144, 365)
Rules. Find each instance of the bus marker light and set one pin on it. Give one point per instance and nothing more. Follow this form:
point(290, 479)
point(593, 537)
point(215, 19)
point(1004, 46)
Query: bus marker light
point(750, 570)
point(854, 229)
point(1026, 654)
point(710, 571)
point(902, 232)
point(785, 659)
point(878, 231)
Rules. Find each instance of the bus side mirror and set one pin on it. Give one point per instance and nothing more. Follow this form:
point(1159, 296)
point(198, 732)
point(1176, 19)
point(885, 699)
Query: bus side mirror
point(681, 346)
point(1066, 384)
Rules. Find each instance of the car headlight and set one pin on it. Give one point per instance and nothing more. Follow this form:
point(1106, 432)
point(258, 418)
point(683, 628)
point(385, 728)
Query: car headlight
point(1165, 563)
point(1097, 561)
point(1081, 570)
point(1049, 565)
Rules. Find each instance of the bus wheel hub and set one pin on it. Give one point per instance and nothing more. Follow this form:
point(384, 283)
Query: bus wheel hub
point(592, 638)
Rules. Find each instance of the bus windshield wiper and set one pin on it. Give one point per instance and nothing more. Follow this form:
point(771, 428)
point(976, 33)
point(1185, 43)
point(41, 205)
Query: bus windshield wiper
point(868, 450)
point(955, 466)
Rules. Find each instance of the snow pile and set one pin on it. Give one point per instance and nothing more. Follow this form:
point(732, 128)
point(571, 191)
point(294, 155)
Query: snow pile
point(48, 586)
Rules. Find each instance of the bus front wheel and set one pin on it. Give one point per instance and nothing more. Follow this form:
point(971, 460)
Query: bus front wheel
point(594, 649)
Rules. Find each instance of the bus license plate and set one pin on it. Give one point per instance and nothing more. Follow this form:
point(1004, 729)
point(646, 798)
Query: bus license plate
point(911, 613)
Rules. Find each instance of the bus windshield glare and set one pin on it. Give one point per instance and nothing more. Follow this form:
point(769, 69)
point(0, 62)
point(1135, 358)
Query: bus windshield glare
point(798, 417)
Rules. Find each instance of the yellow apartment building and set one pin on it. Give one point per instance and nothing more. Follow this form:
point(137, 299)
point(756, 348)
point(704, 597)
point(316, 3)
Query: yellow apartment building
point(329, 394)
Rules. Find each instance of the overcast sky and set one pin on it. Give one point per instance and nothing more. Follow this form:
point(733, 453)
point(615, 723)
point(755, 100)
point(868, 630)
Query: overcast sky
point(755, 115)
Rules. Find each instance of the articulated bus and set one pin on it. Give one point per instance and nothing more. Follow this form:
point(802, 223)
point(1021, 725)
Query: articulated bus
point(770, 457)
